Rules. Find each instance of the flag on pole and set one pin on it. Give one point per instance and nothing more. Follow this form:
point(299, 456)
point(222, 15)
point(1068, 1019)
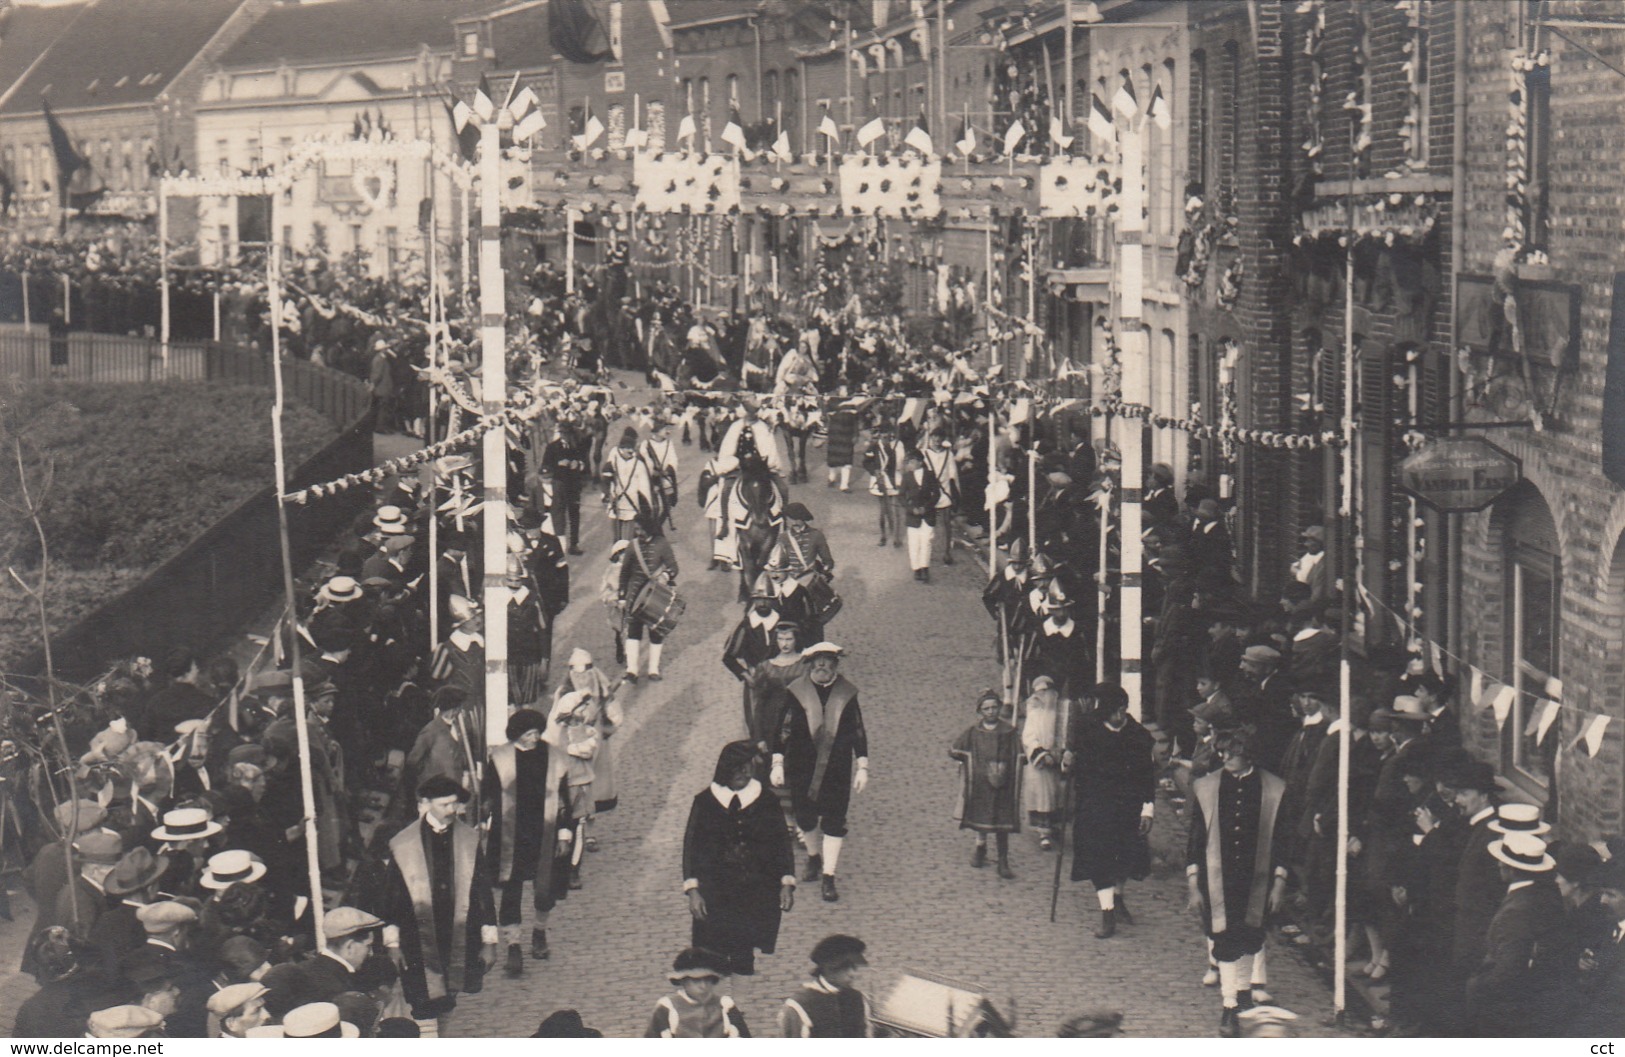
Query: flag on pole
point(1100, 118)
point(68, 158)
point(532, 124)
point(1157, 109)
point(636, 138)
point(1014, 135)
point(781, 146)
point(1125, 102)
point(733, 133)
point(829, 129)
point(871, 132)
point(590, 131)
point(1057, 132)
point(919, 137)
point(686, 129)
point(483, 105)
point(966, 143)
point(523, 102)
point(468, 133)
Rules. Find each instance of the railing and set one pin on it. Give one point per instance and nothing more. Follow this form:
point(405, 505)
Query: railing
point(229, 572)
point(1084, 242)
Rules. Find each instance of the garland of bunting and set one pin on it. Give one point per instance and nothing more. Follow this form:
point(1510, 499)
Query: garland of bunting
point(1262, 438)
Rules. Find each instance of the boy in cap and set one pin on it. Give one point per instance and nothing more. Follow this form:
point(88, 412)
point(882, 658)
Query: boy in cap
point(696, 1010)
point(828, 1006)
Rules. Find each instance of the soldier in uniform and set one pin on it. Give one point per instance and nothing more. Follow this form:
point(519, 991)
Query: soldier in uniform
point(821, 754)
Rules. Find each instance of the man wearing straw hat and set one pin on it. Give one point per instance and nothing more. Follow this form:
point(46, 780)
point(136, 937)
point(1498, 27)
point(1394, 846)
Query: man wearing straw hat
point(1513, 990)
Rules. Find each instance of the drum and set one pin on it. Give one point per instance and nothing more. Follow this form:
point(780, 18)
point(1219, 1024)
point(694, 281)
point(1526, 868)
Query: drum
point(659, 606)
point(825, 602)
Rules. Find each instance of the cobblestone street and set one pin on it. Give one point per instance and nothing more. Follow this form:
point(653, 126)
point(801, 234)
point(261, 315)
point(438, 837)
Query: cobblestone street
point(918, 655)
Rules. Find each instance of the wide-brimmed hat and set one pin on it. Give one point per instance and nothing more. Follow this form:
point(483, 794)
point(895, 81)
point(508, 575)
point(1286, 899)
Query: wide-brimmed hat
point(232, 867)
point(390, 520)
point(317, 1020)
point(1407, 708)
point(137, 870)
point(818, 649)
point(1519, 818)
point(186, 823)
point(697, 963)
point(340, 589)
point(1522, 851)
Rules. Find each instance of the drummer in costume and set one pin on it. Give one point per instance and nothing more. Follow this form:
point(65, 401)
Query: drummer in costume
point(821, 754)
point(443, 934)
point(629, 485)
point(660, 452)
point(649, 558)
point(521, 793)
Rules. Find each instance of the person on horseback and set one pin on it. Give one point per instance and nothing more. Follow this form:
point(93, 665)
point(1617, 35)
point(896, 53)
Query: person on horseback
point(748, 443)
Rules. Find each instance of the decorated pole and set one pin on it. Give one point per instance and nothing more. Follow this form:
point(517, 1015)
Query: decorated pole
point(216, 330)
point(569, 251)
point(432, 487)
point(993, 567)
point(494, 394)
point(307, 790)
point(1102, 583)
point(1349, 583)
point(163, 277)
point(1032, 491)
point(1136, 394)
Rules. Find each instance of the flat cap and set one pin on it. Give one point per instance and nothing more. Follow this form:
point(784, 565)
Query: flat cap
point(161, 917)
point(123, 1022)
point(347, 921)
point(232, 997)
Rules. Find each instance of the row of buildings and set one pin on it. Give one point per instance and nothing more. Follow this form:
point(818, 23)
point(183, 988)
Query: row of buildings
point(1465, 155)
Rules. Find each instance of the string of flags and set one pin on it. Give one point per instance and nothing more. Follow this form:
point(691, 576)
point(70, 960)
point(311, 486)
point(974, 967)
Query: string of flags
point(1486, 691)
point(1115, 408)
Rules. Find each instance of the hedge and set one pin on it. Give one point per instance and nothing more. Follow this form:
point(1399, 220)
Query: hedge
point(139, 470)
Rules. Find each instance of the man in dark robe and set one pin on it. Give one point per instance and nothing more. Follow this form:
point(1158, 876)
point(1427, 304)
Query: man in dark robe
point(753, 639)
point(521, 794)
point(1236, 876)
point(438, 904)
point(821, 754)
point(1478, 886)
point(1111, 756)
point(738, 863)
point(567, 457)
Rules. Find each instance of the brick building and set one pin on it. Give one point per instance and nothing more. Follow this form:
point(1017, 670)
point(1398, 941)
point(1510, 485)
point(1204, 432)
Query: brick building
point(1542, 580)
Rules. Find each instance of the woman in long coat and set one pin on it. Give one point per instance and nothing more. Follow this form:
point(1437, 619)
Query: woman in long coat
point(990, 795)
point(738, 864)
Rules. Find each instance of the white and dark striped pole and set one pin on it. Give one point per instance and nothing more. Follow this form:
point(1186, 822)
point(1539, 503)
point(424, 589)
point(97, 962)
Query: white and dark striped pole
point(494, 445)
point(1136, 394)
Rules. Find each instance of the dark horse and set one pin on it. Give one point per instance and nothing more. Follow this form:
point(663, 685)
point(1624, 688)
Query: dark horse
point(754, 522)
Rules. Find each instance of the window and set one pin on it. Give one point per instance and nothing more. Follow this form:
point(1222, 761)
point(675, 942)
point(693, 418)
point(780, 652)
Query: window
point(1166, 154)
point(733, 90)
point(149, 156)
point(254, 160)
point(392, 251)
point(772, 105)
point(224, 235)
point(287, 240)
point(356, 244)
point(222, 151)
point(471, 44)
point(126, 178)
point(1535, 604)
point(1230, 144)
point(1538, 91)
point(1424, 84)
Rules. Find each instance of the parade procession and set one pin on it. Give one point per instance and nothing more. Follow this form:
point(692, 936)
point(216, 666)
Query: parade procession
point(811, 519)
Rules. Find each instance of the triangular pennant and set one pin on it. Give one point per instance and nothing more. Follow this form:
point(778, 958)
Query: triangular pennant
point(1057, 132)
point(1158, 110)
point(1554, 688)
point(1502, 704)
point(483, 106)
point(1548, 715)
point(1476, 688)
point(1593, 733)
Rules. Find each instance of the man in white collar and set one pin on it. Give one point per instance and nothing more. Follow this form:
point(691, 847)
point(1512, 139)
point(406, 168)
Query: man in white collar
point(437, 882)
point(738, 863)
point(752, 640)
point(1515, 990)
point(1235, 831)
point(442, 746)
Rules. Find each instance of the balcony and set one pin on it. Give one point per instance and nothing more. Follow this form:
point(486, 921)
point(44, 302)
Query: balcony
point(1082, 259)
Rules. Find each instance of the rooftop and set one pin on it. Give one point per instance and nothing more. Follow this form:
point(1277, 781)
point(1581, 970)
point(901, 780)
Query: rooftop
point(118, 52)
point(25, 33)
point(344, 30)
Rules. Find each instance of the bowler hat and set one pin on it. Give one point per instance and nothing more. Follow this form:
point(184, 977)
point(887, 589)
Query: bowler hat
point(1470, 774)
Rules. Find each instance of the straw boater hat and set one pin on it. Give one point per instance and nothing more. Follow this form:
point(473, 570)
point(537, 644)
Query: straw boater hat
point(1519, 818)
point(186, 823)
point(317, 1020)
point(232, 867)
point(1522, 851)
point(1406, 707)
point(390, 520)
point(339, 589)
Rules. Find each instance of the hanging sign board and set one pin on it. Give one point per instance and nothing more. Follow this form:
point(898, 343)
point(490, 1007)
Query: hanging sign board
point(1459, 474)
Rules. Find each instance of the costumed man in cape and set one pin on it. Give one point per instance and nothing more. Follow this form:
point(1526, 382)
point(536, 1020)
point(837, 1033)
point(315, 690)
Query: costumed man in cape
point(1235, 866)
point(629, 485)
point(821, 754)
point(521, 793)
point(442, 931)
point(738, 864)
point(1116, 788)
